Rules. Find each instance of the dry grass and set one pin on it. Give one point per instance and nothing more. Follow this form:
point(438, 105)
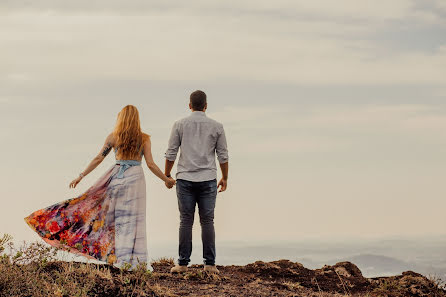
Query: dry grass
point(163, 262)
point(163, 291)
point(437, 281)
point(34, 270)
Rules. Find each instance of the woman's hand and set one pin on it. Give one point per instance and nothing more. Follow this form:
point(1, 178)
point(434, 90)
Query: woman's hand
point(106, 148)
point(170, 183)
point(75, 181)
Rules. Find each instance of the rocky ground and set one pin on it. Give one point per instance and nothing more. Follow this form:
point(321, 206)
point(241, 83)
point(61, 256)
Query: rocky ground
point(285, 278)
point(279, 278)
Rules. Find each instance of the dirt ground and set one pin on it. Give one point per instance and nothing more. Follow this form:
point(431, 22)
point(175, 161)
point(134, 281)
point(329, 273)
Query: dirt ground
point(279, 278)
point(285, 278)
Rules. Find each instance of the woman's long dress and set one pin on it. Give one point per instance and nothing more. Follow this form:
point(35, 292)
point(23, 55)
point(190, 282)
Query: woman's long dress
point(107, 222)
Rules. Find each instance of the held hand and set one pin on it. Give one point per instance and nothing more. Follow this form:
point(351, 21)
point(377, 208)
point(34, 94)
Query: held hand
point(170, 183)
point(75, 181)
point(224, 184)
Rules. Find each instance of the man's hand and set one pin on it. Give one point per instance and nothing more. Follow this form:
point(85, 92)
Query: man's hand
point(170, 183)
point(224, 184)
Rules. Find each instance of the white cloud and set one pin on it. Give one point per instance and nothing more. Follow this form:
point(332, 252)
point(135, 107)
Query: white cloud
point(329, 128)
point(341, 8)
point(345, 8)
point(440, 3)
point(173, 46)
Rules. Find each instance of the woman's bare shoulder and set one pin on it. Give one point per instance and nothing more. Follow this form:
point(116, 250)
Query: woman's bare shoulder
point(111, 139)
point(145, 136)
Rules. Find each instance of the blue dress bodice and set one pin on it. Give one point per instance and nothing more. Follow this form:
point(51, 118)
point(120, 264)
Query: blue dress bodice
point(126, 164)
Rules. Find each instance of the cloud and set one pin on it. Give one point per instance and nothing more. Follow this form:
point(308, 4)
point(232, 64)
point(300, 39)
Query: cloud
point(342, 8)
point(342, 11)
point(283, 129)
point(296, 42)
point(172, 46)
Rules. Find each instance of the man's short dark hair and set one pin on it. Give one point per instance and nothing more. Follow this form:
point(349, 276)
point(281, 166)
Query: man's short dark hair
point(198, 100)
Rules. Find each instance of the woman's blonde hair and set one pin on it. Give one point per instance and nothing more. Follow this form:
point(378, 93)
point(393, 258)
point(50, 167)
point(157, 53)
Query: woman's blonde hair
point(127, 133)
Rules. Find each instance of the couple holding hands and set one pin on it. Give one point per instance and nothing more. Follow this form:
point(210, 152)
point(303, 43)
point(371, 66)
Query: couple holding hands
point(108, 221)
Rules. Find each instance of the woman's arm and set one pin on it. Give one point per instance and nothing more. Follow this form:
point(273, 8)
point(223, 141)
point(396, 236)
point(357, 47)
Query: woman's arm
point(170, 182)
point(106, 148)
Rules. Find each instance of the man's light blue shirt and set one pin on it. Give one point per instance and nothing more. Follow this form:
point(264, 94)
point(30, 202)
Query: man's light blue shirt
point(199, 138)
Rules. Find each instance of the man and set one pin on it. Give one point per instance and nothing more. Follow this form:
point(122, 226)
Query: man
point(199, 138)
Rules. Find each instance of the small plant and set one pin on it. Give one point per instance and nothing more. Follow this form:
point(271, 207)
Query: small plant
point(437, 281)
point(142, 271)
point(163, 262)
point(6, 238)
point(126, 266)
point(386, 286)
point(293, 286)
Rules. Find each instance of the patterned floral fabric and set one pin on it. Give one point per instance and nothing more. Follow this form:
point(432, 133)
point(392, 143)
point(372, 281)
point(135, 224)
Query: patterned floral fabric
point(106, 223)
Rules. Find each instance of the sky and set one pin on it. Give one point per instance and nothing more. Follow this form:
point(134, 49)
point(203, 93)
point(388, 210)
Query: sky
point(334, 111)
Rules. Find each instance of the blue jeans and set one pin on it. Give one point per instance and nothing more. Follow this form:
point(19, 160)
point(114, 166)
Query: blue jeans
point(189, 194)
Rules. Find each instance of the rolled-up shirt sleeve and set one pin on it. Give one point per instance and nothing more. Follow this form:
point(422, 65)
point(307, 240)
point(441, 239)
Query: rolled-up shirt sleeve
point(174, 143)
point(222, 147)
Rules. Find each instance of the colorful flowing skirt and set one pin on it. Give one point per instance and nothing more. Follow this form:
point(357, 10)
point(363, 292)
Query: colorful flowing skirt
point(106, 223)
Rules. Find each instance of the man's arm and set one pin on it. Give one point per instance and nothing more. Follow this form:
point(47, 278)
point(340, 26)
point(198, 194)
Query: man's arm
point(222, 154)
point(224, 180)
point(168, 167)
point(172, 149)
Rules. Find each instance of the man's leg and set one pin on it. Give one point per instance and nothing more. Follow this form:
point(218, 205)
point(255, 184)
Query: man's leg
point(206, 198)
point(186, 206)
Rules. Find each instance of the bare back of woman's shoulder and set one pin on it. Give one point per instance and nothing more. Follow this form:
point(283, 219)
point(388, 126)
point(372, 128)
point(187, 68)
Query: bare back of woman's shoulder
point(111, 139)
point(145, 137)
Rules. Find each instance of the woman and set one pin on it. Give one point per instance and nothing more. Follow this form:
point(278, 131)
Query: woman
point(108, 221)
